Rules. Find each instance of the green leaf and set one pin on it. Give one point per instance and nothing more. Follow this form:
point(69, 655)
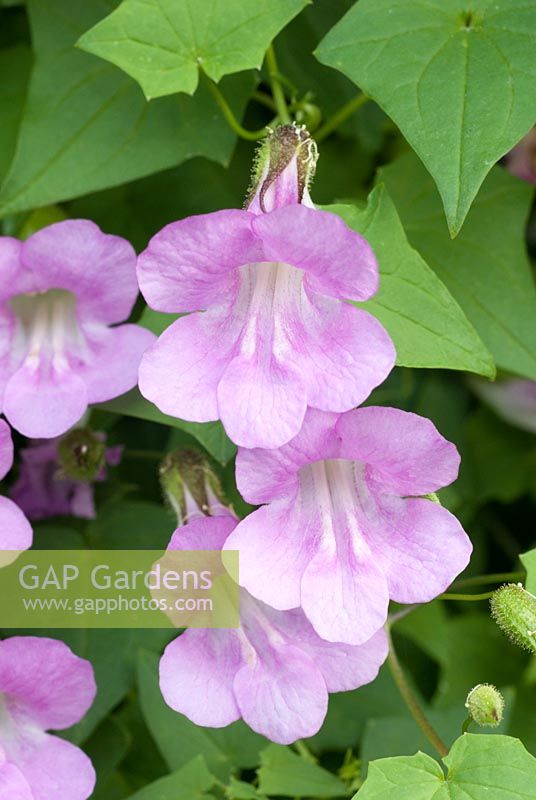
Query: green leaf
point(179, 740)
point(529, 562)
point(86, 126)
point(497, 458)
point(113, 654)
point(348, 712)
point(239, 790)
point(426, 323)
point(403, 736)
point(479, 766)
point(284, 773)
point(416, 777)
point(486, 267)
point(189, 783)
point(210, 434)
point(15, 63)
point(131, 525)
point(458, 79)
point(163, 44)
point(106, 748)
point(475, 651)
point(156, 321)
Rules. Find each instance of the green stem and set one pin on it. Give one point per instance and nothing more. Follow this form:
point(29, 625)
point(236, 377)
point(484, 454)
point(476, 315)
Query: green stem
point(466, 724)
point(304, 752)
point(465, 598)
point(265, 100)
point(483, 580)
point(340, 116)
point(411, 701)
point(277, 89)
point(227, 111)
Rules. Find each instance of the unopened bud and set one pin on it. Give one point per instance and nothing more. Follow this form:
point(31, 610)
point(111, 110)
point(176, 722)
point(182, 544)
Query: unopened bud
point(284, 168)
point(81, 454)
point(190, 486)
point(514, 611)
point(485, 705)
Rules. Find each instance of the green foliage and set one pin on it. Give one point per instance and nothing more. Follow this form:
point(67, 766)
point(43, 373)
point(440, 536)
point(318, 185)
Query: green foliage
point(427, 325)
point(284, 773)
point(488, 256)
point(400, 54)
point(210, 434)
point(529, 562)
point(164, 44)
point(495, 767)
point(179, 740)
point(189, 783)
point(86, 126)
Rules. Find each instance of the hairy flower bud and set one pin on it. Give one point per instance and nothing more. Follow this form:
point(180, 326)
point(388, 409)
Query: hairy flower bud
point(284, 168)
point(190, 486)
point(485, 705)
point(81, 454)
point(514, 611)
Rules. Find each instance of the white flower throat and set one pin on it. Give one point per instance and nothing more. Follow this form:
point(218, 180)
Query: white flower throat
point(48, 330)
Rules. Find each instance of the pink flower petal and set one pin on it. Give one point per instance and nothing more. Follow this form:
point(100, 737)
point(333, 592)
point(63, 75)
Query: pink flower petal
point(421, 549)
point(6, 449)
point(262, 402)
point(404, 452)
point(45, 681)
point(10, 272)
point(44, 403)
point(338, 261)
point(99, 269)
point(282, 694)
point(344, 593)
point(15, 530)
point(274, 553)
point(52, 767)
point(197, 673)
point(189, 265)
point(264, 475)
point(180, 372)
point(13, 784)
point(115, 358)
point(344, 667)
point(343, 352)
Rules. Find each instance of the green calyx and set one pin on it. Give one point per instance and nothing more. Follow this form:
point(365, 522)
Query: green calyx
point(81, 455)
point(189, 484)
point(485, 705)
point(276, 152)
point(514, 611)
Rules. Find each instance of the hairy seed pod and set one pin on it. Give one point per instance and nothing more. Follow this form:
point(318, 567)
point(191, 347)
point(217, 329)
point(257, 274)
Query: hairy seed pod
point(514, 611)
point(485, 705)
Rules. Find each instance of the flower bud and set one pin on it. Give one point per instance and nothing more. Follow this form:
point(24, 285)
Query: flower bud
point(284, 168)
point(485, 705)
point(81, 454)
point(514, 611)
point(190, 486)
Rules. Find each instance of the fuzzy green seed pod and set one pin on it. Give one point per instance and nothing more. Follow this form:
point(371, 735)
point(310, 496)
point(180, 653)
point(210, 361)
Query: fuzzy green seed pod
point(81, 454)
point(485, 705)
point(514, 611)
